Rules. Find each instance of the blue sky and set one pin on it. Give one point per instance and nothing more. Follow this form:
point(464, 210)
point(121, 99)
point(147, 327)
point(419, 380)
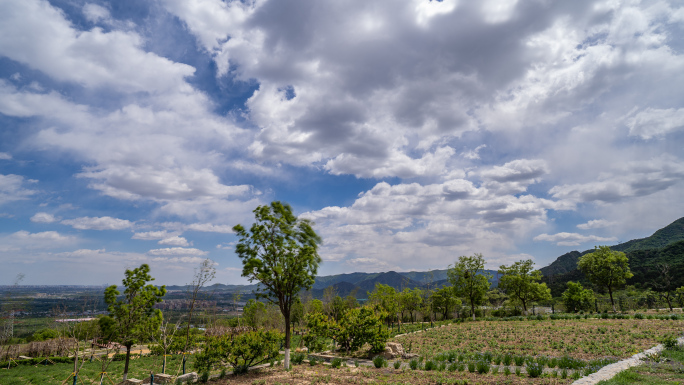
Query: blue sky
point(411, 133)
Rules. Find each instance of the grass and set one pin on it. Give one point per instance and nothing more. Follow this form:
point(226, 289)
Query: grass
point(55, 374)
point(585, 338)
point(667, 368)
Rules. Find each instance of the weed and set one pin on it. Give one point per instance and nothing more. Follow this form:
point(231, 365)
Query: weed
point(397, 364)
point(336, 363)
point(471, 367)
point(507, 371)
point(535, 370)
point(483, 367)
point(507, 359)
point(413, 364)
point(379, 362)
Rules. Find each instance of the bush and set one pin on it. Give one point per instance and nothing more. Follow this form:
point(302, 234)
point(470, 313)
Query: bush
point(336, 363)
point(535, 370)
point(507, 370)
point(518, 371)
point(452, 367)
point(507, 359)
point(241, 352)
point(313, 361)
point(297, 358)
point(397, 364)
point(204, 378)
point(471, 367)
point(379, 362)
point(413, 364)
point(430, 365)
point(519, 360)
point(483, 367)
point(487, 357)
point(671, 343)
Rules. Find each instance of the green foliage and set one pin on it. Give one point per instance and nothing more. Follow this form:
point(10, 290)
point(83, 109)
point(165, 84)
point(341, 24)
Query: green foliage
point(413, 364)
point(671, 343)
point(132, 318)
point(469, 279)
point(254, 313)
point(577, 298)
point(298, 358)
point(355, 328)
point(520, 282)
point(313, 361)
point(483, 366)
point(606, 268)
point(336, 363)
point(45, 334)
point(430, 365)
point(379, 362)
point(444, 301)
point(240, 351)
point(397, 364)
point(281, 252)
point(535, 370)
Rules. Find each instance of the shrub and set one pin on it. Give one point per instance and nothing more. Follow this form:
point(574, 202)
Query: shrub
point(241, 351)
point(441, 367)
point(313, 361)
point(519, 360)
point(517, 371)
point(564, 374)
point(542, 360)
point(452, 367)
point(298, 358)
point(576, 375)
point(471, 367)
point(497, 359)
point(507, 359)
point(671, 343)
point(379, 362)
point(553, 362)
point(495, 370)
point(430, 365)
point(461, 366)
point(204, 378)
point(397, 364)
point(535, 370)
point(507, 371)
point(336, 363)
point(413, 364)
point(483, 367)
point(487, 357)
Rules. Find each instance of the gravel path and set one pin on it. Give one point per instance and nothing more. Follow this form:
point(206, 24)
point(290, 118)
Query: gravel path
point(609, 371)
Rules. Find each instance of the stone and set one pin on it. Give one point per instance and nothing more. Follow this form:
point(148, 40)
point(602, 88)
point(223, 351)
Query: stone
point(131, 381)
point(302, 350)
point(188, 377)
point(160, 378)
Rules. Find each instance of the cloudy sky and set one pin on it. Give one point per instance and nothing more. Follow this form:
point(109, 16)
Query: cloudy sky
point(410, 131)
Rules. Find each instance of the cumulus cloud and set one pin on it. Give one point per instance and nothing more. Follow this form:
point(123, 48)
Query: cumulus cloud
point(43, 218)
point(177, 251)
point(595, 224)
point(5, 156)
point(24, 240)
point(153, 235)
point(175, 241)
point(572, 239)
point(634, 179)
point(12, 188)
point(98, 223)
point(655, 122)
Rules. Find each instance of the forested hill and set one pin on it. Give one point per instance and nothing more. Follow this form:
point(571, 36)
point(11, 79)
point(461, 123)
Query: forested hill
point(665, 246)
point(672, 233)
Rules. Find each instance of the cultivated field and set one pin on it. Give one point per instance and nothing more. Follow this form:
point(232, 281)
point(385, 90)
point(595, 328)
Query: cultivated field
point(585, 338)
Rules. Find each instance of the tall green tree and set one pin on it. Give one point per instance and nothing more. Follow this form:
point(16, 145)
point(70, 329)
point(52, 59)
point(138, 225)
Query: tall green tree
point(444, 301)
point(410, 301)
point(606, 268)
point(385, 296)
point(577, 298)
point(521, 283)
point(281, 252)
point(132, 317)
point(469, 280)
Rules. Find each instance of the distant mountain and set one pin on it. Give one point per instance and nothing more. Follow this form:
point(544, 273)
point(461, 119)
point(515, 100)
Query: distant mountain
point(664, 246)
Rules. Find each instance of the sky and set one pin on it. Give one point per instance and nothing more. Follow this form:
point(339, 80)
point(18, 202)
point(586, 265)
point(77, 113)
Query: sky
point(411, 132)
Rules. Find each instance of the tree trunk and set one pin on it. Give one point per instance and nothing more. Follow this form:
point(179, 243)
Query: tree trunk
point(286, 362)
point(610, 292)
point(128, 357)
point(76, 358)
point(472, 309)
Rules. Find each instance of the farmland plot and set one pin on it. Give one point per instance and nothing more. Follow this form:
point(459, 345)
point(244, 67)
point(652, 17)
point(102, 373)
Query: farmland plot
point(584, 339)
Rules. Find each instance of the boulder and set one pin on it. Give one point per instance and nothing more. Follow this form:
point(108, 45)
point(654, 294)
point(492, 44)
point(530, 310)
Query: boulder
point(160, 378)
point(188, 378)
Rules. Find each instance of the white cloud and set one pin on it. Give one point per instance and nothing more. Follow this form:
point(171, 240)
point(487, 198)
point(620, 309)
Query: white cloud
point(35, 33)
point(43, 218)
point(5, 156)
point(595, 224)
point(98, 223)
point(153, 235)
point(12, 188)
point(572, 239)
point(24, 240)
point(95, 13)
point(175, 241)
point(654, 122)
point(177, 251)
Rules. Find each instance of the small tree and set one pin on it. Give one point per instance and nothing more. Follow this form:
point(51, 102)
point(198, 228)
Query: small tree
point(132, 317)
point(385, 297)
point(240, 351)
point(578, 298)
point(355, 328)
point(469, 280)
point(444, 301)
point(410, 301)
point(606, 268)
point(665, 285)
point(280, 251)
point(520, 282)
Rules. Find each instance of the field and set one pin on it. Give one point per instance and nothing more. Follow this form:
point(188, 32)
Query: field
point(585, 339)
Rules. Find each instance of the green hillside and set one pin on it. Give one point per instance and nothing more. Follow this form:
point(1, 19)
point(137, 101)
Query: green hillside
point(665, 246)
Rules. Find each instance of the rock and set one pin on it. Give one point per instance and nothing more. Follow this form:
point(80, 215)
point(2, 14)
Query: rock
point(160, 379)
point(131, 381)
point(302, 350)
point(393, 350)
point(189, 378)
